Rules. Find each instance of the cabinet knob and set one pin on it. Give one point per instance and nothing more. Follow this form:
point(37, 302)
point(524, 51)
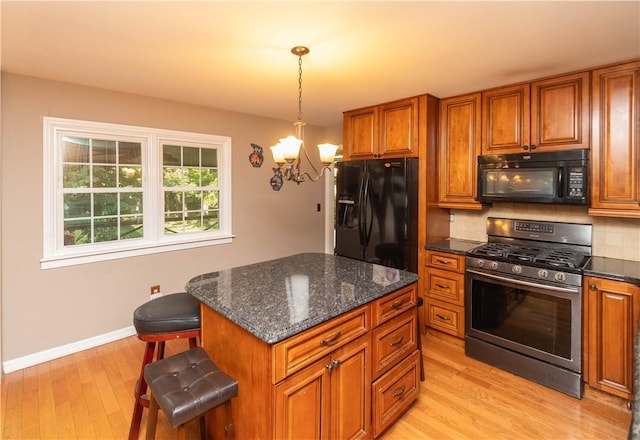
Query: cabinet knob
point(532, 147)
point(525, 147)
point(592, 287)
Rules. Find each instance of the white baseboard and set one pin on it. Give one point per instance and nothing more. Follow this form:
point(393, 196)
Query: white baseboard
point(58, 352)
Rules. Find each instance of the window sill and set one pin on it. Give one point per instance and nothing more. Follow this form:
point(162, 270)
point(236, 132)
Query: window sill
point(75, 259)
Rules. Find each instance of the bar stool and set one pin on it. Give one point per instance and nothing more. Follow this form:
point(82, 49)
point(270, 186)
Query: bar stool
point(172, 316)
point(186, 386)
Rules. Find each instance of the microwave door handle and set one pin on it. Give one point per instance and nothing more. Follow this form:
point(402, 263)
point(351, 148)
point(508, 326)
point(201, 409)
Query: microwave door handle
point(560, 183)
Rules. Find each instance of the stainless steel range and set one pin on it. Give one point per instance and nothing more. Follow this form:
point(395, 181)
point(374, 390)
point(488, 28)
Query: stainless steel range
point(524, 300)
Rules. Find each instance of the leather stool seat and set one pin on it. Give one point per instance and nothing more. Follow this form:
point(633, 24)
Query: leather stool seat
point(187, 385)
point(177, 312)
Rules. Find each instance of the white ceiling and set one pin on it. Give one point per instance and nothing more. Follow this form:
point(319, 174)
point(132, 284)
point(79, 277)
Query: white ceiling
point(236, 55)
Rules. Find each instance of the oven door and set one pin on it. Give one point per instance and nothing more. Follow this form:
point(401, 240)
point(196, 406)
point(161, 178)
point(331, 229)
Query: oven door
point(540, 321)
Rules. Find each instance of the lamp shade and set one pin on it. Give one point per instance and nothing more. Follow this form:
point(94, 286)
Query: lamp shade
point(290, 147)
point(327, 153)
point(278, 154)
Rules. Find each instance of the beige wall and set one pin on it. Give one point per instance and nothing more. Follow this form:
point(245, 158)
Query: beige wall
point(45, 309)
point(612, 237)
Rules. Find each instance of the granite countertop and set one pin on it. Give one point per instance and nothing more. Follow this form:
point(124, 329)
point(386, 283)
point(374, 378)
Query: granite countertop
point(279, 298)
point(453, 245)
point(621, 270)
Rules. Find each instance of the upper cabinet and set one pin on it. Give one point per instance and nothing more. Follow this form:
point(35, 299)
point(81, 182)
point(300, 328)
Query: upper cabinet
point(615, 153)
point(460, 122)
point(551, 114)
point(381, 131)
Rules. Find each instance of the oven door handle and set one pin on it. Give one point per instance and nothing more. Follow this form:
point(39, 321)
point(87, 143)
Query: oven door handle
point(525, 283)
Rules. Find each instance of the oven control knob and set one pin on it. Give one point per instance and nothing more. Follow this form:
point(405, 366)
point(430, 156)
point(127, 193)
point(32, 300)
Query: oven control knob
point(493, 265)
point(516, 269)
point(559, 276)
point(480, 263)
point(543, 273)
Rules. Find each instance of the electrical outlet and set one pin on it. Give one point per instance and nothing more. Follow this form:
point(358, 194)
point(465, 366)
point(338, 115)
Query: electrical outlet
point(155, 289)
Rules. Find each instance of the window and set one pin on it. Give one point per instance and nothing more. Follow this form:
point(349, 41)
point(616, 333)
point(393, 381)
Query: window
point(112, 191)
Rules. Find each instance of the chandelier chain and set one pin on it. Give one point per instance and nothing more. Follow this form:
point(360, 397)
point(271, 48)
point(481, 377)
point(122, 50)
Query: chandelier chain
point(300, 88)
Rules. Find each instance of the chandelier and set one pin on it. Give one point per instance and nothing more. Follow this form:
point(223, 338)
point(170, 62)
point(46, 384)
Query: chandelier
point(286, 154)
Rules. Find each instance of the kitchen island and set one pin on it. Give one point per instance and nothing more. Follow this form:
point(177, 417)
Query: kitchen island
point(322, 346)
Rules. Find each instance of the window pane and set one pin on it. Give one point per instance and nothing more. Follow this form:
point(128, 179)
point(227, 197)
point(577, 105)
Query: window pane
point(77, 232)
point(131, 227)
point(193, 222)
point(193, 200)
point(191, 177)
point(130, 177)
point(105, 204)
point(171, 155)
point(173, 223)
point(211, 200)
point(209, 177)
point(190, 157)
point(105, 229)
point(77, 205)
point(75, 150)
point(104, 176)
point(103, 151)
point(210, 221)
point(172, 176)
point(130, 153)
point(130, 203)
point(209, 157)
point(75, 176)
point(172, 201)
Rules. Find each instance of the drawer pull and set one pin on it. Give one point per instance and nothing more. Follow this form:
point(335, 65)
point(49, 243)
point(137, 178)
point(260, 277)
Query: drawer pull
point(331, 340)
point(442, 286)
point(400, 392)
point(398, 304)
point(444, 318)
point(443, 261)
point(397, 341)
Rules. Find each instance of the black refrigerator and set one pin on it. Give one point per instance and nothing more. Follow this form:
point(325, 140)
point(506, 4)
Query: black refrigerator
point(377, 211)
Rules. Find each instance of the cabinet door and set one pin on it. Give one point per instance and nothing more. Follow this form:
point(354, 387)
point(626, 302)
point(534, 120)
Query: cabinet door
point(615, 151)
point(459, 147)
point(360, 133)
point(351, 391)
point(399, 128)
point(611, 321)
point(560, 112)
point(505, 120)
point(303, 403)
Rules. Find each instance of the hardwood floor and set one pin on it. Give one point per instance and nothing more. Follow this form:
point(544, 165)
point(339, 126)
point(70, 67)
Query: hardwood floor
point(90, 395)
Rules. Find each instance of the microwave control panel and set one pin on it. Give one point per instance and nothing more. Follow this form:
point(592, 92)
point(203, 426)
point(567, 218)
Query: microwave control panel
point(577, 182)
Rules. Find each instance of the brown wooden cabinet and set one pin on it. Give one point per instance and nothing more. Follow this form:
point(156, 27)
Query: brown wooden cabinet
point(546, 115)
point(444, 292)
point(320, 383)
point(615, 152)
point(459, 146)
point(330, 397)
point(610, 321)
point(385, 130)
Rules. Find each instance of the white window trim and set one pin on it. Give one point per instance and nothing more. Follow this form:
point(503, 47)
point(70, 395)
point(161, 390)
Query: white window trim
point(154, 240)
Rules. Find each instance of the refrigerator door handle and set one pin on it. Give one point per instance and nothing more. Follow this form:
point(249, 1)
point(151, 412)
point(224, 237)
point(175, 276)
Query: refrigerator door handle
point(368, 221)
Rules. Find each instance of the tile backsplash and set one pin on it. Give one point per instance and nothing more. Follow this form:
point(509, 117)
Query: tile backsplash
point(612, 237)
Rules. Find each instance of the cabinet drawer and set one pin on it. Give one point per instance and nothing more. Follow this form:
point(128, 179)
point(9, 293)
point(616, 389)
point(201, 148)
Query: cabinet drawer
point(447, 318)
point(393, 304)
point(444, 285)
point(444, 260)
point(298, 351)
point(393, 340)
point(394, 392)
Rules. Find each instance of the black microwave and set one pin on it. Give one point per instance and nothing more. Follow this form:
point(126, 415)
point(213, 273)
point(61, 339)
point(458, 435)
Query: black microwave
point(558, 177)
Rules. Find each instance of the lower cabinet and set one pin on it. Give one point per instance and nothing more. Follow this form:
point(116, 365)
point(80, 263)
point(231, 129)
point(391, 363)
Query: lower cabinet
point(611, 312)
point(328, 397)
